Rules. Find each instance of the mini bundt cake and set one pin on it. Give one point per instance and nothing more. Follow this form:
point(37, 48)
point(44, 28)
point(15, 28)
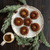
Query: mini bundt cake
point(18, 21)
point(24, 13)
point(24, 30)
point(35, 27)
point(27, 21)
point(34, 15)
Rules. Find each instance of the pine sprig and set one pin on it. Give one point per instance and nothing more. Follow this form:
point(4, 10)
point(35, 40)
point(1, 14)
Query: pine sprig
point(43, 39)
point(21, 41)
point(6, 22)
point(9, 8)
point(36, 46)
point(35, 41)
point(23, 1)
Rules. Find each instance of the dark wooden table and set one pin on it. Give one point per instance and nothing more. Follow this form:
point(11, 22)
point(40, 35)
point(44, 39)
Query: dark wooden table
point(43, 6)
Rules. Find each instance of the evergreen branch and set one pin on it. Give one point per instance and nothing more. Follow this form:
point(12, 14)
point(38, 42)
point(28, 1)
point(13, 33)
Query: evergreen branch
point(30, 39)
point(18, 40)
point(23, 1)
point(34, 42)
point(21, 41)
point(9, 8)
point(6, 22)
point(37, 46)
point(43, 39)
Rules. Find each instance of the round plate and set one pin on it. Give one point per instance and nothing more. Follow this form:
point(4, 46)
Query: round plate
point(39, 20)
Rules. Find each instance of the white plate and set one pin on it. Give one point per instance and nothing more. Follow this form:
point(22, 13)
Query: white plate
point(39, 20)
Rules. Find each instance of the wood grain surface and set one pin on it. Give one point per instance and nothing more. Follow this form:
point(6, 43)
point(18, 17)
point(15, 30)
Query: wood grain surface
point(43, 6)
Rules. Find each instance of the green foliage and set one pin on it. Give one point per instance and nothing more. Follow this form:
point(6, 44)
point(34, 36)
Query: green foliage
point(9, 8)
point(23, 1)
point(36, 47)
point(43, 39)
point(6, 22)
point(22, 41)
point(35, 40)
point(35, 43)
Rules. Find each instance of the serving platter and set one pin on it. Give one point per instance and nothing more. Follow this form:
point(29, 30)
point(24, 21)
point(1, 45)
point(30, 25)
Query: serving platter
point(39, 20)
